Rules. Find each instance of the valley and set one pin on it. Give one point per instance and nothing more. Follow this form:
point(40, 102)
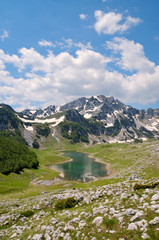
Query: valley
point(107, 207)
point(124, 204)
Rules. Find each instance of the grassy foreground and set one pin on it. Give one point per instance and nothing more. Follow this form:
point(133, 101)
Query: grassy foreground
point(108, 208)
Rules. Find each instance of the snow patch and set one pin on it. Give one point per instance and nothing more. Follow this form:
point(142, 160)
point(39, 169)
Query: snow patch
point(32, 111)
point(29, 128)
point(108, 115)
point(98, 99)
point(109, 125)
point(151, 128)
point(51, 120)
point(57, 109)
point(57, 121)
point(88, 115)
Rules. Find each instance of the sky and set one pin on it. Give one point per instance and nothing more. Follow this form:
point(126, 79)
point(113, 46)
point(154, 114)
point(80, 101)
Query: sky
point(53, 52)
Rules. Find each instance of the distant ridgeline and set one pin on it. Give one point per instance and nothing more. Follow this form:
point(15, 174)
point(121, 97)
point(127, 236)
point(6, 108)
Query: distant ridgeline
point(14, 152)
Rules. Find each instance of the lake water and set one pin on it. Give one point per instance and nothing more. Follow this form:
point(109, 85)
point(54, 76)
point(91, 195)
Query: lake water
point(82, 168)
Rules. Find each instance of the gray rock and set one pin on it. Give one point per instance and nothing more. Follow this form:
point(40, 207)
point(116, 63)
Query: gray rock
point(132, 226)
point(123, 196)
point(155, 197)
point(154, 221)
point(82, 224)
point(69, 228)
point(14, 235)
point(37, 237)
point(129, 212)
point(145, 236)
point(98, 221)
point(137, 215)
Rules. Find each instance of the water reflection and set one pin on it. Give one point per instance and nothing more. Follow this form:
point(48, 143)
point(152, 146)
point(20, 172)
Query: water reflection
point(82, 168)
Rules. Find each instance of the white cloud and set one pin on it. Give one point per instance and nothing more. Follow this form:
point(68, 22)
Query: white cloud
point(69, 44)
point(83, 16)
point(4, 35)
point(132, 55)
point(44, 43)
point(110, 23)
point(56, 79)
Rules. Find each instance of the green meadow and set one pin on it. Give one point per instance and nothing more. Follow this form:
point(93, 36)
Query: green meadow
point(122, 159)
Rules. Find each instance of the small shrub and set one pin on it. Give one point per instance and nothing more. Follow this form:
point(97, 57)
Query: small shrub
point(60, 204)
point(144, 186)
point(65, 203)
point(35, 144)
point(27, 213)
point(109, 223)
point(137, 140)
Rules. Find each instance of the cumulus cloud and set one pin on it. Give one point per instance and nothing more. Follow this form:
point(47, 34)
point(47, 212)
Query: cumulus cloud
point(44, 43)
point(56, 79)
point(4, 35)
point(132, 55)
point(83, 16)
point(110, 23)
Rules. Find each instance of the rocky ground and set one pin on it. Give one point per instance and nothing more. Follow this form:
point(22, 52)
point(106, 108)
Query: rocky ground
point(115, 211)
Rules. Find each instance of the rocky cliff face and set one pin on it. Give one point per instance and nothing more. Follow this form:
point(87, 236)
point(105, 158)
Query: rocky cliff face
point(41, 113)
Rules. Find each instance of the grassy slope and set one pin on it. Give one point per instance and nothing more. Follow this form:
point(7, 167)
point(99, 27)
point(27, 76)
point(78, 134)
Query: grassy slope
point(124, 159)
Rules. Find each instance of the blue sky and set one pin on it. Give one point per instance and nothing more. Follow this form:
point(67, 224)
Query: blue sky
point(52, 52)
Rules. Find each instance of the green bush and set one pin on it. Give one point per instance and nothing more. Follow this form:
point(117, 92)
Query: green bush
point(43, 129)
point(27, 213)
point(144, 186)
point(65, 203)
point(77, 132)
point(109, 223)
point(35, 144)
point(137, 140)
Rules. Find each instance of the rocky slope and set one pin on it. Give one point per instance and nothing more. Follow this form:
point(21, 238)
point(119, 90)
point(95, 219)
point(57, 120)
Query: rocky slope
point(125, 210)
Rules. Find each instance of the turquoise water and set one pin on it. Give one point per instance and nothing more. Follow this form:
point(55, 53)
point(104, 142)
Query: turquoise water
point(82, 168)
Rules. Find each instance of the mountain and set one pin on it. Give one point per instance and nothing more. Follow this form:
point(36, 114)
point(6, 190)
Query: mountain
point(45, 112)
point(94, 120)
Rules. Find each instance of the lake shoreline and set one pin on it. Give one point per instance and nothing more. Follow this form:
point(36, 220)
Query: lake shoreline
point(110, 172)
point(107, 166)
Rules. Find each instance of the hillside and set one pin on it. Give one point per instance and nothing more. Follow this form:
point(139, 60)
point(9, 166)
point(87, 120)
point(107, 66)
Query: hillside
point(122, 205)
point(14, 156)
point(114, 211)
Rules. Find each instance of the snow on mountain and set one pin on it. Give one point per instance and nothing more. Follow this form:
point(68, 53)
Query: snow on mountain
point(121, 122)
point(40, 113)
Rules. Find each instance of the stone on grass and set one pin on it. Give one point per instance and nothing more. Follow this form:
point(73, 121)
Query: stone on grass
point(132, 226)
point(145, 236)
point(130, 212)
point(14, 235)
point(154, 221)
point(98, 221)
point(155, 197)
point(123, 196)
point(82, 224)
point(37, 237)
point(137, 215)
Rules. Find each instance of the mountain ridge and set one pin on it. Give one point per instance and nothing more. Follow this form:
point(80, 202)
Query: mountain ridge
point(98, 118)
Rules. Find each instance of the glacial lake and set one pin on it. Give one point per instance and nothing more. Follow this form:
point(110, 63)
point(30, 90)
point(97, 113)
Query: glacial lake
point(82, 168)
